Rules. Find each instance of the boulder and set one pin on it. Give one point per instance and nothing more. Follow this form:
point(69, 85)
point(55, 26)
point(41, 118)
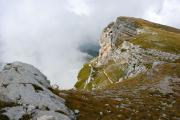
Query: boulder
point(28, 88)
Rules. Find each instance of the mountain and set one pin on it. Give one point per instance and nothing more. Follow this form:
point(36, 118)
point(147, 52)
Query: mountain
point(129, 46)
point(136, 75)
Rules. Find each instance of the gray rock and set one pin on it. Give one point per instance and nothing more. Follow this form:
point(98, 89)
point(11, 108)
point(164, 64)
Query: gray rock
point(15, 113)
point(50, 115)
point(28, 87)
point(76, 111)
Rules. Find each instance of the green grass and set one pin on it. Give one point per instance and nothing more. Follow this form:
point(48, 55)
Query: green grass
point(163, 41)
point(114, 72)
point(99, 79)
point(83, 76)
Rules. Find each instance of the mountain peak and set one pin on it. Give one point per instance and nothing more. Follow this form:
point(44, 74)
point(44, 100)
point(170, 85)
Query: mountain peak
point(128, 47)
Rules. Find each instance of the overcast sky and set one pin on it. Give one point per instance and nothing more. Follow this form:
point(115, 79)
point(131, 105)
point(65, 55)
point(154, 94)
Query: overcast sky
point(47, 33)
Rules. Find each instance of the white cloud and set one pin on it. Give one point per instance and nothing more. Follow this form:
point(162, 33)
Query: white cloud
point(79, 7)
point(168, 12)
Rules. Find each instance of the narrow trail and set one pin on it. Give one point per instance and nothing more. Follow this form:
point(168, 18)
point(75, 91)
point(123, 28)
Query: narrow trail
point(108, 77)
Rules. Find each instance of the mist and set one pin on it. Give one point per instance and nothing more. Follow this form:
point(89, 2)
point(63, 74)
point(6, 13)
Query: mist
point(57, 36)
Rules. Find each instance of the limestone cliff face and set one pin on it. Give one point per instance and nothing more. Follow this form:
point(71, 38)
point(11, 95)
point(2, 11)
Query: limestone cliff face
point(129, 46)
point(122, 28)
point(25, 94)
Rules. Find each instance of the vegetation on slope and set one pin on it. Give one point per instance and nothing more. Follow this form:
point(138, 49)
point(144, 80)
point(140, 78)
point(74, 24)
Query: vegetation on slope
point(159, 39)
point(140, 97)
point(101, 76)
point(83, 76)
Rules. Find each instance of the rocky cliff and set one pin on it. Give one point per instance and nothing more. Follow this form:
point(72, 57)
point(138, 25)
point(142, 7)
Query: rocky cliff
point(129, 46)
point(25, 94)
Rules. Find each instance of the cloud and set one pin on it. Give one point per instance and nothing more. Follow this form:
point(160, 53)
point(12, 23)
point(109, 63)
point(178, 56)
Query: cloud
point(49, 34)
point(168, 12)
point(79, 7)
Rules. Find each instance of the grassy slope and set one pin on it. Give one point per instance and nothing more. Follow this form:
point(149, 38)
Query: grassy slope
point(160, 39)
point(83, 76)
point(135, 98)
point(100, 79)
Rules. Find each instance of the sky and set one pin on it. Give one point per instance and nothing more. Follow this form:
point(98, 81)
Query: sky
point(48, 33)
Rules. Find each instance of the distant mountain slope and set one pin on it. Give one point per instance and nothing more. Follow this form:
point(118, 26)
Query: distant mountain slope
point(129, 46)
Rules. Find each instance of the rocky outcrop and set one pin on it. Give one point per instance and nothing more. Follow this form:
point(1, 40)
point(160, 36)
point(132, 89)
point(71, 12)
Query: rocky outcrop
point(116, 40)
point(129, 46)
point(122, 28)
point(26, 87)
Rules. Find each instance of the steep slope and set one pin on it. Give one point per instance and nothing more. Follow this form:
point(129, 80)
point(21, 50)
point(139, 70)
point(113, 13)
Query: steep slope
point(25, 95)
point(129, 47)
